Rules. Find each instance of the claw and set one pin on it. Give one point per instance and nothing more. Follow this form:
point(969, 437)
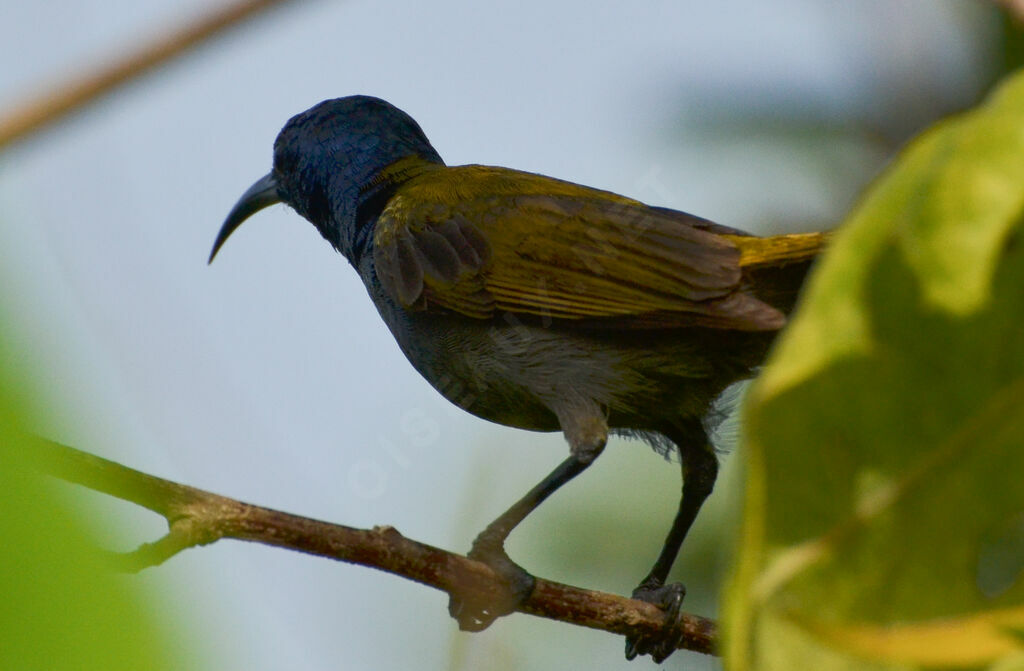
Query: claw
point(668, 598)
point(475, 612)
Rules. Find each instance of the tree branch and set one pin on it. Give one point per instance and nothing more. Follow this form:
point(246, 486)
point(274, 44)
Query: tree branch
point(197, 517)
point(1014, 7)
point(72, 96)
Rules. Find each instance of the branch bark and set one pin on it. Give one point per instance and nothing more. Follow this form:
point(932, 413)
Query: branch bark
point(197, 517)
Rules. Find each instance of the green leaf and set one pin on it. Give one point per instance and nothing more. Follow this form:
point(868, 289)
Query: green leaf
point(885, 438)
point(63, 606)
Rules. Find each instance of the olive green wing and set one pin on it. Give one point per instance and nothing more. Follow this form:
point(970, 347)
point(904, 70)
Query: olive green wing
point(523, 244)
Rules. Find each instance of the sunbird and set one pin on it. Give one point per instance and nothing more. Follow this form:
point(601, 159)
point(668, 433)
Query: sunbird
point(543, 305)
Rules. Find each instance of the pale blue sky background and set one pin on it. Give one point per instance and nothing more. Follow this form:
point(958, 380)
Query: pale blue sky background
point(269, 376)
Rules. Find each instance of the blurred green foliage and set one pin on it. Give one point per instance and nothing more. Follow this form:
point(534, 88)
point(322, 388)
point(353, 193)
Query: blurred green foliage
point(63, 606)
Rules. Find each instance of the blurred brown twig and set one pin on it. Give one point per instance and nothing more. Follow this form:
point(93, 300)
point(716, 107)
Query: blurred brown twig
point(1014, 7)
point(71, 96)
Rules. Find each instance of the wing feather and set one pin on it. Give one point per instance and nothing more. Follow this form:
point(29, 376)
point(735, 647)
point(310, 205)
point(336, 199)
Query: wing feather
point(478, 241)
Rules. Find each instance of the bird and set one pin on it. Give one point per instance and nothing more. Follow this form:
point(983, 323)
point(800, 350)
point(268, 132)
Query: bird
point(541, 304)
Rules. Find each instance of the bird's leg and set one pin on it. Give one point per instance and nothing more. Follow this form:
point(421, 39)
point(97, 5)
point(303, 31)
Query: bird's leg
point(474, 614)
point(700, 468)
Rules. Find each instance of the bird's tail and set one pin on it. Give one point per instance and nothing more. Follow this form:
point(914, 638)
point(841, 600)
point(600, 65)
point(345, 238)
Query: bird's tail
point(776, 267)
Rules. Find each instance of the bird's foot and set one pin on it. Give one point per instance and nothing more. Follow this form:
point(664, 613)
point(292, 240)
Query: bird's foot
point(475, 611)
point(669, 598)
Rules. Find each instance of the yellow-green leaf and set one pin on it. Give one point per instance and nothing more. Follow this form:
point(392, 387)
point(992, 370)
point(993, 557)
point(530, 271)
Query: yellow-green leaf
point(884, 519)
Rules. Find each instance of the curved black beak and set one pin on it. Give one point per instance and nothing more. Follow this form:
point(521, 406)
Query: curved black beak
point(260, 195)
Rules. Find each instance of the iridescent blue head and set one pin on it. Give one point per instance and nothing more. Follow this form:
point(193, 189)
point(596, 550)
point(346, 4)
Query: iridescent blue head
point(327, 166)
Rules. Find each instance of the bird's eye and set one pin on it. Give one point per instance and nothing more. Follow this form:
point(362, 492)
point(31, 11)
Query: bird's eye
point(285, 162)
